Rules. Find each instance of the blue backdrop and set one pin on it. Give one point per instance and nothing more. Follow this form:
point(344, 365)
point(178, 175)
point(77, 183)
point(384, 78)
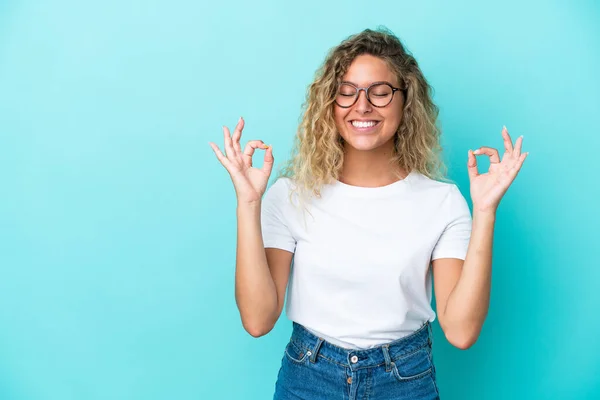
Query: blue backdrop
point(117, 223)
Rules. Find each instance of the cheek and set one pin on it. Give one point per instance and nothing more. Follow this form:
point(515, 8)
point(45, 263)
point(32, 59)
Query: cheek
point(339, 116)
point(394, 116)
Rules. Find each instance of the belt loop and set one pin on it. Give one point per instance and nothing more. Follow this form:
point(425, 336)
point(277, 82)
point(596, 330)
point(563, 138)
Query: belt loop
point(315, 350)
point(386, 355)
point(430, 333)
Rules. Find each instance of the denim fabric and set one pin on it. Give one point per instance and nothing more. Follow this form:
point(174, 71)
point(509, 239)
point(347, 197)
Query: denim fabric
point(312, 368)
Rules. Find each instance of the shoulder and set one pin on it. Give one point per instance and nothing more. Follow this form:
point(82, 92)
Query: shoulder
point(280, 186)
point(447, 194)
point(280, 192)
point(424, 183)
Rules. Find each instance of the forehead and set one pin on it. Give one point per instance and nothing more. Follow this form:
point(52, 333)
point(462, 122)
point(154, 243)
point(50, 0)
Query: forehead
point(366, 69)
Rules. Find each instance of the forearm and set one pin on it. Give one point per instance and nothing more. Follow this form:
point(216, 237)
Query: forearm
point(255, 292)
point(468, 303)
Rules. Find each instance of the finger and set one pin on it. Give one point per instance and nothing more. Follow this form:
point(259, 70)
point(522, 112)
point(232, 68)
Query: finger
point(222, 159)
point(251, 146)
point(268, 161)
point(518, 145)
point(237, 134)
point(472, 165)
point(489, 151)
point(228, 143)
point(508, 146)
point(517, 167)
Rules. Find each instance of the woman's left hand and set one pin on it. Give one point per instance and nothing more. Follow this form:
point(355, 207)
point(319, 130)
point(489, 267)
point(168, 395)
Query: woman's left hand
point(487, 189)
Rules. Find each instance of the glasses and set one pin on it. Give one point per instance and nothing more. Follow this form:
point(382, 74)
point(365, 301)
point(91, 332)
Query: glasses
point(379, 94)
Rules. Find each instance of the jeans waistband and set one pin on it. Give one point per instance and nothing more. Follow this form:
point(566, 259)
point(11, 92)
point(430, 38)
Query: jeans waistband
point(361, 358)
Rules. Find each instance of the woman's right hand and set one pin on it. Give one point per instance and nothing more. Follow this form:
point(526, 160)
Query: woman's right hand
point(249, 182)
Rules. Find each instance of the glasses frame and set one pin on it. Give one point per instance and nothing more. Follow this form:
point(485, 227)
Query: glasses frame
point(366, 90)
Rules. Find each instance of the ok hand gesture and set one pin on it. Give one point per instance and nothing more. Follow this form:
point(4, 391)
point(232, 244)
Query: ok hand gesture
point(488, 188)
point(249, 182)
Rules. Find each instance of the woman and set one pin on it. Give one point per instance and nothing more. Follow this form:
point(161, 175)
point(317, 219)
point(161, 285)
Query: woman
point(363, 210)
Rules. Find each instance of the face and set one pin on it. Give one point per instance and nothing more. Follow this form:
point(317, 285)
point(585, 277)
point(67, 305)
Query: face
point(363, 126)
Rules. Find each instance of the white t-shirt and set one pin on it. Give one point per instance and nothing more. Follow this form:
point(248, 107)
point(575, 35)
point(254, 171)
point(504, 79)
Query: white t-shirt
point(361, 272)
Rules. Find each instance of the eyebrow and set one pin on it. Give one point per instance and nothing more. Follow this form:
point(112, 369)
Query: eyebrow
point(372, 83)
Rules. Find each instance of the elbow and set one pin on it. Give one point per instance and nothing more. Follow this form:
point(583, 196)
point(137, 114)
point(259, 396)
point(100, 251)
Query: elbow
point(462, 343)
point(259, 321)
point(462, 339)
point(257, 329)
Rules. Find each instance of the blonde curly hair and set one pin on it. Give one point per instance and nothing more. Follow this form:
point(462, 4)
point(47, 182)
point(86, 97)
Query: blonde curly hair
point(318, 153)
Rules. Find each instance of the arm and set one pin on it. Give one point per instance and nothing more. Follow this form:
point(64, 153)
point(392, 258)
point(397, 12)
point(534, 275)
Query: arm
point(462, 288)
point(261, 275)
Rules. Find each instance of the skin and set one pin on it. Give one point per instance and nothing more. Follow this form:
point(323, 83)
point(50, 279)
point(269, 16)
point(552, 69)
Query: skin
point(366, 155)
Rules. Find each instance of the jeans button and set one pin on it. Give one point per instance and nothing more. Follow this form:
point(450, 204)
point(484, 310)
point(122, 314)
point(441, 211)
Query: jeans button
point(354, 359)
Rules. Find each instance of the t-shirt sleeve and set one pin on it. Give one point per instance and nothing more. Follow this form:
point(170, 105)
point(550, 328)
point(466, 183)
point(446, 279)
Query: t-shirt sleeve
point(454, 240)
point(275, 213)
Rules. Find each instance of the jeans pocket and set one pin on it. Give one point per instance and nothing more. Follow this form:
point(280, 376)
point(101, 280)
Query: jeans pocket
point(413, 366)
point(296, 352)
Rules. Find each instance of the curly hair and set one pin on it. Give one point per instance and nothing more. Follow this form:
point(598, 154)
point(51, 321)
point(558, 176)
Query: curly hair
point(318, 153)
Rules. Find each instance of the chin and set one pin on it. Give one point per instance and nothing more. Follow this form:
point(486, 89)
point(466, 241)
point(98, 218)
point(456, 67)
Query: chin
point(363, 145)
point(366, 143)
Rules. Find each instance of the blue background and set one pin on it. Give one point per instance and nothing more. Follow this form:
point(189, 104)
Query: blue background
point(117, 223)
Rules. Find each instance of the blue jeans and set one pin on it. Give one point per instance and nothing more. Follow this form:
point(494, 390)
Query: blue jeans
point(313, 368)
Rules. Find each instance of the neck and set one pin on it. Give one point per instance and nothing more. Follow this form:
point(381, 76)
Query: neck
point(370, 168)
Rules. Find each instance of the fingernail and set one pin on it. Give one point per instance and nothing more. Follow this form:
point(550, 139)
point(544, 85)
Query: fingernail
point(476, 151)
point(504, 127)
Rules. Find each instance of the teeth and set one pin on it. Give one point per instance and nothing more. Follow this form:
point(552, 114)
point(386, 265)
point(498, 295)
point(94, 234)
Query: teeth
point(363, 124)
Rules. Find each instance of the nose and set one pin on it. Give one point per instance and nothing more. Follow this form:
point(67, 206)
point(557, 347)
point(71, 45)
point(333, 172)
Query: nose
point(362, 103)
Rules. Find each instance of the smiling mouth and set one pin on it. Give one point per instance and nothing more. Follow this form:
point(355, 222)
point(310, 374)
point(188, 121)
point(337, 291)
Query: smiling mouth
point(363, 124)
